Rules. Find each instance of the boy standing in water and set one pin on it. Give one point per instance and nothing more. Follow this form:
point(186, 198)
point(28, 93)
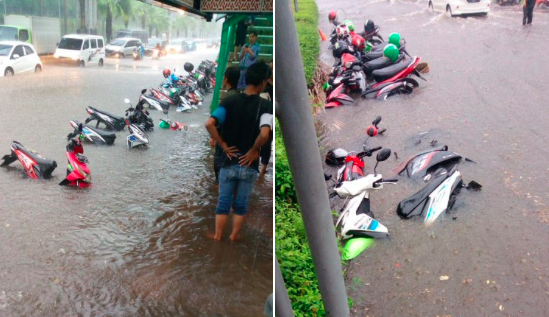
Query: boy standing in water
point(246, 121)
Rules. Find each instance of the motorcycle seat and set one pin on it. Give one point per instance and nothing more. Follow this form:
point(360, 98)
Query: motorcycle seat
point(35, 156)
point(390, 71)
point(379, 63)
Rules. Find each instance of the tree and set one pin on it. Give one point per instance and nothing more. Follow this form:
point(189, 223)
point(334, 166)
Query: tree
point(126, 11)
point(109, 8)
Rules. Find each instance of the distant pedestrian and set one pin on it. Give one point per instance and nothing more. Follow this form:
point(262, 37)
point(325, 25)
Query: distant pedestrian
point(240, 39)
point(248, 56)
point(528, 10)
point(230, 81)
point(246, 121)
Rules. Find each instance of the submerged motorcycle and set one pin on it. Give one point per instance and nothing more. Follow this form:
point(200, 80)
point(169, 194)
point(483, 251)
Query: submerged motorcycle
point(357, 222)
point(93, 135)
point(36, 166)
point(110, 121)
point(138, 121)
point(78, 172)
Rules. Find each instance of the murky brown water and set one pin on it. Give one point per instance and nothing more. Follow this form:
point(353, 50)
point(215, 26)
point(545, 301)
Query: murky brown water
point(134, 244)
point(486, 99)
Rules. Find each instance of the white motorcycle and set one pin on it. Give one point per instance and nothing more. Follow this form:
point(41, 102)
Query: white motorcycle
point(357, 222)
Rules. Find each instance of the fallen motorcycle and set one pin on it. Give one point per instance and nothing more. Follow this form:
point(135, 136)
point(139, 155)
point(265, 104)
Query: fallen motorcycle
point(36, 166)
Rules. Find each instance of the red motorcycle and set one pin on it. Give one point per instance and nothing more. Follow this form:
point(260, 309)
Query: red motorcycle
point(78, 172)
point(35, 165)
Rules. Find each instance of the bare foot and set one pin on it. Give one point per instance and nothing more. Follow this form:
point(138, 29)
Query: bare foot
point(234, 238)
point(210, 235)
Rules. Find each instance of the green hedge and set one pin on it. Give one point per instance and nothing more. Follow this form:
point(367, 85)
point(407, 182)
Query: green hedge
point(309, 40)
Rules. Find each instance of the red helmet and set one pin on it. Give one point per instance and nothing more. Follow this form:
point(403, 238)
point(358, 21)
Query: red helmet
point(332, 16)
point(166, 72)
point(358, 42)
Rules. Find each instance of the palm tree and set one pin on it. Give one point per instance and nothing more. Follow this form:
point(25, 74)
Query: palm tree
point(126, 11)
point(109, 8)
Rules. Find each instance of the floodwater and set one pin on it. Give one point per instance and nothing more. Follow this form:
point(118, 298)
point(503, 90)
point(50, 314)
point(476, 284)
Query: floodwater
point(485, 98)
point(135, 243)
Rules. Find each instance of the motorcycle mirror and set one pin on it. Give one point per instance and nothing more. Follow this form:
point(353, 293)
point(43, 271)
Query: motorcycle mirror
point(327, 177)
point(383, 155)
point(80, 127)
point(144, 91)
point(127, 100)
point(376, 121)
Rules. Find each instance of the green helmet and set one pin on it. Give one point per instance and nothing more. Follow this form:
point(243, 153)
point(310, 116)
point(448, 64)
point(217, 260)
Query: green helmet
point(394, 38)
point(174, 92)
point(350, 25)
point(391, 52)
point(326, 86)
point(164, 124)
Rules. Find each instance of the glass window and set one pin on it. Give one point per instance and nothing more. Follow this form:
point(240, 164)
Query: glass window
point(8, 33)
point(93, 43)
point(23, 35)
point(86, 45)
point(68, 43)
point(117, 43)
point(29, 50)
point(18, 50)
point(100, 42)
point(5, 49)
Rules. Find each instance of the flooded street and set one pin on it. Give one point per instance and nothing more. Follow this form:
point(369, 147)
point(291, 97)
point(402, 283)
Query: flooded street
point(135, 243)
point(486, 99)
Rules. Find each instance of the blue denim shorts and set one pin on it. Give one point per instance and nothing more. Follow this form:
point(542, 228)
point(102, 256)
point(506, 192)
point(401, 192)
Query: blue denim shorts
point(235, 186)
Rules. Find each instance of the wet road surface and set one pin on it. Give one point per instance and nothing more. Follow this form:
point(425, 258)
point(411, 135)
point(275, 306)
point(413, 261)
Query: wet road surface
point(135, 243)
point(486, 99)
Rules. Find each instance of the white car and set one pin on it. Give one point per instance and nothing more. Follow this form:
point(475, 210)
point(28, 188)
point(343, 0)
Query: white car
point(122, 47)
point(460, 7)
point(17, 58)
point(81, 49)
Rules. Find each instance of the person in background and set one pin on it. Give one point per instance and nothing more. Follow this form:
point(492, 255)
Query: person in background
point(246, 121)
point(240, 39)
point(230, 81)
point(248, 56)
point(266, 150)
point(528, 10)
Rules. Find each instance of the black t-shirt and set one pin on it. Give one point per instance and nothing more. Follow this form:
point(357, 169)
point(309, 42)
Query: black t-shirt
point(241, 117)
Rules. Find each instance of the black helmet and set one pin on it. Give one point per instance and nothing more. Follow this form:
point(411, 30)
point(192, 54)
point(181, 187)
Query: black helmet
point(341, 47)
point(336, 157)
point(369, 26)
point(188, 67)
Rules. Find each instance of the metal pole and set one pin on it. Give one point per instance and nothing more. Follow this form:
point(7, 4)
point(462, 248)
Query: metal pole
point(296, 121)
point(283, 306)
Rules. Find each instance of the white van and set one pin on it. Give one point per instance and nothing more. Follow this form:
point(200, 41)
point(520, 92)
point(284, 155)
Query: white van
point(81, 49)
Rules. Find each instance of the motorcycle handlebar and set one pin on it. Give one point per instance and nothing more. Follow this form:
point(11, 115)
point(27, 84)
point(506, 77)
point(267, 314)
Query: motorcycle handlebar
point(369, 152)
point(385, 181)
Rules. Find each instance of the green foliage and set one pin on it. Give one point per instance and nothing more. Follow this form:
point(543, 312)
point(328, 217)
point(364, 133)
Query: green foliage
point(284, 185)
point(307, 23)
point(294, 256)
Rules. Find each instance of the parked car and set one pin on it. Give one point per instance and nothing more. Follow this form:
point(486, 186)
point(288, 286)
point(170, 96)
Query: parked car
point(122, 47)
point(188, 46)
point(17, 58)
point(460, 7)
point(81, 49)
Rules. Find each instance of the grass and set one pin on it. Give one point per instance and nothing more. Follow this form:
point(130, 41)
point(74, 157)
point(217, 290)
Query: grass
point(307, 29)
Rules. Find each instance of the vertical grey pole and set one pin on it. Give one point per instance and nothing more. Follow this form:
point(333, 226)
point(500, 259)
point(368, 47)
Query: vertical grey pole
point(296, 121)
point(283, 306)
